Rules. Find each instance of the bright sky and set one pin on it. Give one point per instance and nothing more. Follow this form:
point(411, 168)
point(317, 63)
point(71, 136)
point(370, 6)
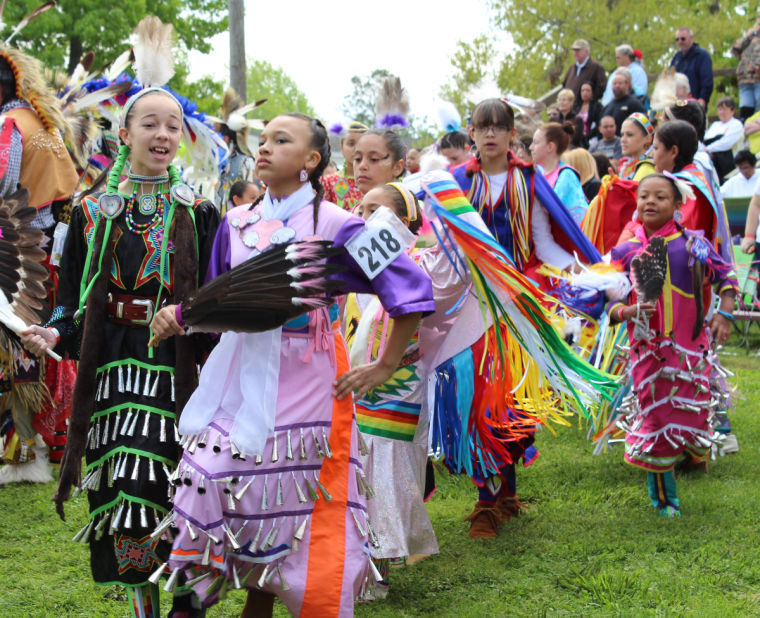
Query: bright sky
point(321, 45)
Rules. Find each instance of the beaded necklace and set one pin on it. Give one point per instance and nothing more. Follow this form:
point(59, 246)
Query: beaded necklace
point(159, 206)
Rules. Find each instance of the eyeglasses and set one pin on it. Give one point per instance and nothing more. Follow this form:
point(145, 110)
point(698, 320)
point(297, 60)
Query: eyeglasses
point(680, 38)
point(495, 129)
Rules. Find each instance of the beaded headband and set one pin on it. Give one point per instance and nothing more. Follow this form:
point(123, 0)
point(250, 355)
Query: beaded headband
point(133, 99)
point(643, 120)
point(409, 200)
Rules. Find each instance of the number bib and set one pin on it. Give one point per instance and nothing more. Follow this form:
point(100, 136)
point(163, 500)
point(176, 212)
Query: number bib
point(382, 240)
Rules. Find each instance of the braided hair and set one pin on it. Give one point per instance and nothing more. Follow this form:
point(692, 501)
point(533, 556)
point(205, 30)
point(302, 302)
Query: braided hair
point(320, 141)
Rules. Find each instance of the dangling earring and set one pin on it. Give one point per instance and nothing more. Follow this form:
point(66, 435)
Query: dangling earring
point(303, 176)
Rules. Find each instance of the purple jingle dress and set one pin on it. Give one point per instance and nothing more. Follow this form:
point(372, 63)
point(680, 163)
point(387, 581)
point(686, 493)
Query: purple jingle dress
point(292, 519)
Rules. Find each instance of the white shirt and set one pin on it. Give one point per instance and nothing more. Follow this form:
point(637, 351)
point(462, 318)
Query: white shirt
point(730, 133)
point(739, 186)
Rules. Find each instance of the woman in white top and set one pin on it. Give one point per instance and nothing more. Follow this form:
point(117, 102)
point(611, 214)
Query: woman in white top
point(722, 136)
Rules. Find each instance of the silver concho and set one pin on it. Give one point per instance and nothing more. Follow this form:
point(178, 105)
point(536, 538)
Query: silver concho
point(254, 218)
point(183, 194)
point(251, 238)
point(235, 222)
point(111, 205)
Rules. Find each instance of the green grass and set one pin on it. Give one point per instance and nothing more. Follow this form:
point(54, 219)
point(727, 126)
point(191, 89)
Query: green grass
point(590, 544)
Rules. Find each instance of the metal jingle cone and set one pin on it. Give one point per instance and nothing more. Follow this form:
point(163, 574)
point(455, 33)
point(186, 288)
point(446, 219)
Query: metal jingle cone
point(235, 578)
point(96, 481)
point(104, 433)
point(116, 422)
point(301, 530)
point(217, 448)
point(90, 436)
point(146, 425)
point(289, 451)
point(165, 523)
point(328, 450)
point(162, 429)
point(191, 582)
point(283, 583)
point(143, 516)
point(302, 455)
point(127, 420)
point(317, 445)
point(241, 492)
point(136, 469)
point(231, 537)
point(171, 583)
point(206, 553)
point(203, 439)
point(100, 388)
point(156, 575)
point(263, 578)
point(128, 516)
point(172, 383)
point(119, 379)
point(362, 445)
point(279, 501)
point(312, 492)
point(264, 498)
point(116, 518)
point(133, 425)
point(201, 488)
point(255, 541)
point(151, 471)
point(362, 531)
point(83, 534)
point(359, 483)
point(101, 527)
point(234, 449)
point(275, 451)
point(146, 385)
point(299, 491)
point(128, 382)
point(258, 460)
point(123, 468)
point(213, 537)
point(111, 472)
point(107, 385)
point(372, 537)
point(242, 527)
point(375, 572)
point(96, 436)
point(191, 531)
point(136, 383)
point(322, 488)
point(231, 502)
point(193, 442)
point(154, 388)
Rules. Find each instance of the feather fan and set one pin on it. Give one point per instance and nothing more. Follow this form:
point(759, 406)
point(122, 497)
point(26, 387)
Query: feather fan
point(24, 279)
point(650, 269)
point(266, 291)
point(154, 56)
point(392, 106)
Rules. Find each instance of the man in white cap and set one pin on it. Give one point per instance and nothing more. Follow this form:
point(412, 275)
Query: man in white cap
point(585, 70)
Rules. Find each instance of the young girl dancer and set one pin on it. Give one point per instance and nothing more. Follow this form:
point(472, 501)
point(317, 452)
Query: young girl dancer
point(340, 188)
point(270, 490)
point(118, 265)
point(379, 157)
point(518, 206)
point(392, 417)
point(671, 356)
point(549, 142)
point(635, 142)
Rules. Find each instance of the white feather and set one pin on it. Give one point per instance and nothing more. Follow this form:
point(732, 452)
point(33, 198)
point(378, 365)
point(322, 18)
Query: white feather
point(118, 66)
point(449, 118)
point(154, 57)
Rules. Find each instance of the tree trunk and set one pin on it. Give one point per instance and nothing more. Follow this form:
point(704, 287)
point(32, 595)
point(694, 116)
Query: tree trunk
point(237, 47)
point(75, 53)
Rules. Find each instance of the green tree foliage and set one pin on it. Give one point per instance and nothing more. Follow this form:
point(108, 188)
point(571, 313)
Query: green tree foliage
point(470, 62)
point(272, 83)
point(543, 31)
point(61, 35)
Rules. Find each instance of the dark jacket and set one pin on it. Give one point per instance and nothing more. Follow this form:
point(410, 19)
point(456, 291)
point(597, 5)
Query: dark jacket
point(592, 72)
point(594, 116)
point(620, 109)
point(696, 64)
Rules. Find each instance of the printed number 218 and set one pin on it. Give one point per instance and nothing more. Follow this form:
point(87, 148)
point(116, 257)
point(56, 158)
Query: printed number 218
point(375, 247)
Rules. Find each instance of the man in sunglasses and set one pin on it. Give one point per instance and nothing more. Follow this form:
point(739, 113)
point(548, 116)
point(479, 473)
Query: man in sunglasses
point(695, 62)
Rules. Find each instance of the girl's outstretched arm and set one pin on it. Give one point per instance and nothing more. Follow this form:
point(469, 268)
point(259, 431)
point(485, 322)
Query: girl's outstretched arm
point(366, 377)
